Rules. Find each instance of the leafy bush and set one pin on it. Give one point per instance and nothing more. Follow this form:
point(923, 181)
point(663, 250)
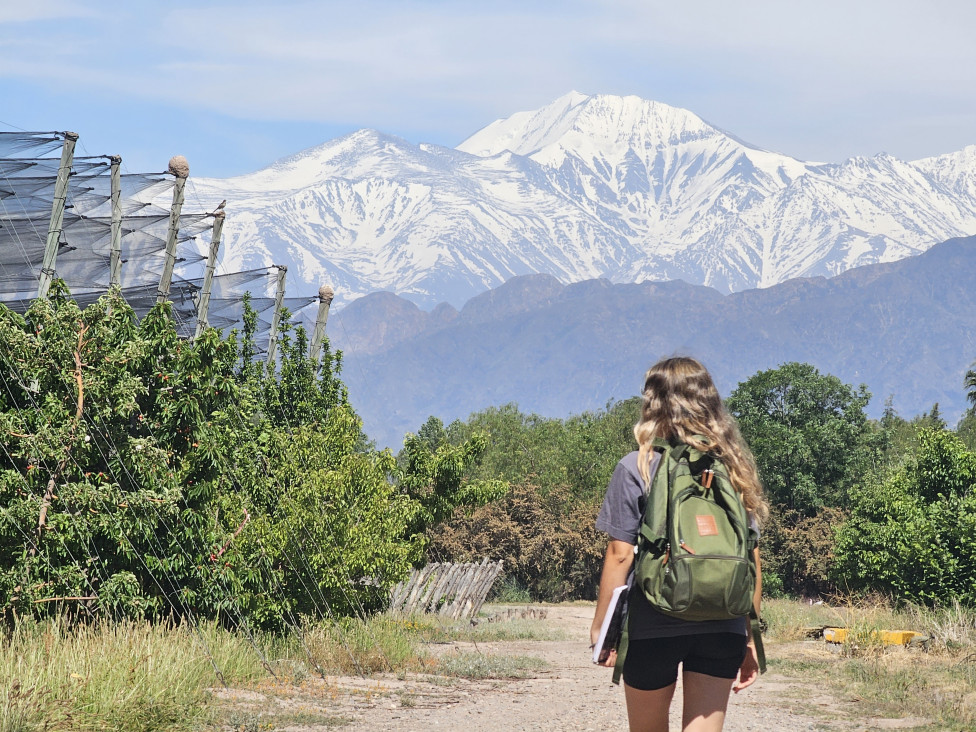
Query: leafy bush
point(146, 476)
point(798, 552)
point(548, 543)
point(913, 536)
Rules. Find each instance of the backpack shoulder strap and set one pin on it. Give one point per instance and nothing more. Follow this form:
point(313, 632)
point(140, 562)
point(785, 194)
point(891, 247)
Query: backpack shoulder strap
point(653, 504)
point(757, 637)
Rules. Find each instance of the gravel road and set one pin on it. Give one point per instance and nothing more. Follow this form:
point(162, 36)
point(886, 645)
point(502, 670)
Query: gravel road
point(571, 694)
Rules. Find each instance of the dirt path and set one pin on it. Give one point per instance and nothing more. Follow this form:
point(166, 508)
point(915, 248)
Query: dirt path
point(571, 694)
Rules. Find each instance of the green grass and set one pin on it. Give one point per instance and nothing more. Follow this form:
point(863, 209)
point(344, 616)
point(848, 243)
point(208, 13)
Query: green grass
point(440, 630)
point(354, 646)
point(118, 676)
point(510, 590)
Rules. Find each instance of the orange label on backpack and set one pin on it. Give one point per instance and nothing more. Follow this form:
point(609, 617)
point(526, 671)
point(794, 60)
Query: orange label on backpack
point(706, 525)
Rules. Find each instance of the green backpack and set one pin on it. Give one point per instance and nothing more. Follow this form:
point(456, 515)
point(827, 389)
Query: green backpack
point(695, 558)
point(695, 550)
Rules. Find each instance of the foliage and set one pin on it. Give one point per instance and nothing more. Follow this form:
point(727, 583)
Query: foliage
point(896, 436)
point(547, 541)
point(543, 528)
point(579, 452)
point(969, 383)
point(146, 476)
point(433, 475)
point(913, 535)
point(966, 429)
point(809, 434)
point(798, 552)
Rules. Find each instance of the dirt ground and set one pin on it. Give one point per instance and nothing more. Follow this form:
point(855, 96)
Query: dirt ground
point(571, 694)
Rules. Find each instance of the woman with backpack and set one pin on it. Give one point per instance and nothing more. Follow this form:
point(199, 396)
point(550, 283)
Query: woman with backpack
point(682, 417)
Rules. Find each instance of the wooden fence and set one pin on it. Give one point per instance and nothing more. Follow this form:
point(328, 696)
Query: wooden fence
point(452, 590)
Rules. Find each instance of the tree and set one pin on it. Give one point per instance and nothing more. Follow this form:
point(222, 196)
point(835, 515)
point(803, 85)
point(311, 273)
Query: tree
point(434, 474)
point(913, 535)
point(519, 445)
point(579, 452)
point(808, 432)
point(969, 382)
point(145, 475)
point(966, 429)
point(548, 542)
point(931, 419)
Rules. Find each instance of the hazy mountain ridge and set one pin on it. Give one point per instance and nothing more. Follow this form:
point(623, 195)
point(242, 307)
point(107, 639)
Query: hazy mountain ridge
point(587, 187)
point(906, 329)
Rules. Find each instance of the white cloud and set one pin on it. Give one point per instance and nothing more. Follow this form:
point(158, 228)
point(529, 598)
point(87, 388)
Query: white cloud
point(42, 10)
point(767, 70)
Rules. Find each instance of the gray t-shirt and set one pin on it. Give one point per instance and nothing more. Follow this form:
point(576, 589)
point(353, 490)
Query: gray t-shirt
point(620, 516)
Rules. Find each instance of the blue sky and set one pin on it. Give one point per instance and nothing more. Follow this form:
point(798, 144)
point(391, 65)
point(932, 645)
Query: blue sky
point(234, 86)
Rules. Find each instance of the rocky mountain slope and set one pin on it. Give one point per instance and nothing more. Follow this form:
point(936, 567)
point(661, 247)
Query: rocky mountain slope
point(907, 329)
point(609, 187)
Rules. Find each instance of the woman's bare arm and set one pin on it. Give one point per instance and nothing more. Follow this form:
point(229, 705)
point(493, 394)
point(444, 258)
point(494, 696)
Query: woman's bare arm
point(749, 671)
point(616, 567)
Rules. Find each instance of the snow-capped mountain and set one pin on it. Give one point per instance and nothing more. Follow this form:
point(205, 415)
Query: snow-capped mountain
point(586, 187)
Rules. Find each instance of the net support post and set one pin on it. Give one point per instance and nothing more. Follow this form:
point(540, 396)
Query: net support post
point(276, 317)
point(204, 306)
point(115, 260)
point(179, 168)
point(326, 294)
point(56, 224)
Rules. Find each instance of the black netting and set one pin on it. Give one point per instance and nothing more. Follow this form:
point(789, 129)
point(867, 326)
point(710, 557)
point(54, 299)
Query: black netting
point(30, 197)
point(85, 248)
point(18, 143)
point(27, 187)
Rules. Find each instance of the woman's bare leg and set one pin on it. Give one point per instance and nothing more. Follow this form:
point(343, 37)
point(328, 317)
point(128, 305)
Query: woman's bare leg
point(647, 711)
point(705, 701)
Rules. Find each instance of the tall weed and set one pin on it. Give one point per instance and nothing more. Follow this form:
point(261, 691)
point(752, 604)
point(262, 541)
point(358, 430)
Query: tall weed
point(124, 676)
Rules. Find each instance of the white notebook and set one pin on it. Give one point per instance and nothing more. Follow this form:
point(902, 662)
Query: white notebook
point(612, 625)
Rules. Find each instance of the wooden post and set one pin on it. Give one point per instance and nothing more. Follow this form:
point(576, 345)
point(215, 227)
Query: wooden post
point(326, 293)
point(495, 569)
point(55, 225)
point(181, 170)
point(115, 263)
point(420, 583)
point(276, 317)
point(204, 305)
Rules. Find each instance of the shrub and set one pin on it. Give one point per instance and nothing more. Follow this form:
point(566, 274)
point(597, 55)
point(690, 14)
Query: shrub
point(549, 545)
point(913, 536)
point(798, 551)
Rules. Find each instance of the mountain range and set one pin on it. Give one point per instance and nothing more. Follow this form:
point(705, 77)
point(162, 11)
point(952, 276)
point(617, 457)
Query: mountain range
point(588, 187)
point(907, 329)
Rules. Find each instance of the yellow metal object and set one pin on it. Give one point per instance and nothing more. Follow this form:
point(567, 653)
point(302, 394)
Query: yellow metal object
point(887, 637)
point(898, 637)
point(835, 635)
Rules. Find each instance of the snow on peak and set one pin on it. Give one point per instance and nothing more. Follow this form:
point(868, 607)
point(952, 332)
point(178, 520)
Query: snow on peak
point(322, 162)
point(616, 130)
point(575, 117)
point(585, 187)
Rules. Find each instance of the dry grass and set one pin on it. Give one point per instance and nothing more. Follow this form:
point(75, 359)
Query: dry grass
point(473, 665)
point(934, 680)
point(138, 676)
point(125, 676)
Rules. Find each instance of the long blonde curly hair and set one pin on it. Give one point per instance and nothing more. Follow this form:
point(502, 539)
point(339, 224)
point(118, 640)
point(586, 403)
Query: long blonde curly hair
point(680, 403)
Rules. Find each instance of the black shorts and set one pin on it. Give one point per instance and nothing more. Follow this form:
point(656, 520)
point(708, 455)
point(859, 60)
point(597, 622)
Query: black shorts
point(652, 663)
